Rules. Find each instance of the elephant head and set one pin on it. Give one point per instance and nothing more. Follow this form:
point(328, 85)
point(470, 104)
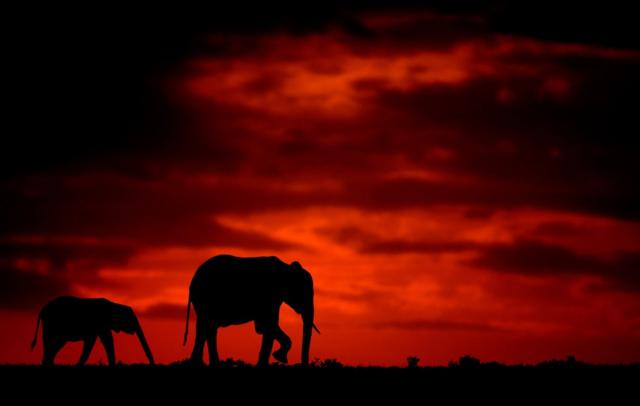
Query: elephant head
point(298, 294)
point(123, 319)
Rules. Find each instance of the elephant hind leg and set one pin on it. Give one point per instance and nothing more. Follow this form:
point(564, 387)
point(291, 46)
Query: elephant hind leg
point(202, 326)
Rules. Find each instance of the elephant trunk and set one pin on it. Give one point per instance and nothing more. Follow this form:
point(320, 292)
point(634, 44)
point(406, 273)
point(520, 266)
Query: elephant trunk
point(307, 326)
point(145, 345)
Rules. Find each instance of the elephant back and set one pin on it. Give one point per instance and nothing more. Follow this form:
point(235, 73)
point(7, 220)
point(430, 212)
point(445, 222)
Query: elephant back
point(226, 278)
point(76, 316)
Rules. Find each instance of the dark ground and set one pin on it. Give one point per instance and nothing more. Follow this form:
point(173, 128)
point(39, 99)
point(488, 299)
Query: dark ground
point(233, 384)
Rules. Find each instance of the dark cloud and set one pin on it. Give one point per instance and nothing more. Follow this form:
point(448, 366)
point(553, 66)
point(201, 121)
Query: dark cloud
point(20, 289)
point(356, 295)
point(557, 228)
point(535, 258)
point(370, 243)
point(399, 246)
point(623, 273)
point(82, 90)
point(420, 31)
point(165, 311)
point(611, 25)
point(437, 324)
point(105, 105)
point(59, 255)
point(478, 213)
point(567, 154)
point(139, 212)
point(35, 269)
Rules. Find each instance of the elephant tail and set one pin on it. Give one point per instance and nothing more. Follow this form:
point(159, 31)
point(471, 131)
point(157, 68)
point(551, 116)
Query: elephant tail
point(35, 337)
point(186, 330)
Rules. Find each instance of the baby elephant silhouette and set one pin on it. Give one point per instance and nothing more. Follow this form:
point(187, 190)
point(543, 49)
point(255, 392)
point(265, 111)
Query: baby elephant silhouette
point(69, 318)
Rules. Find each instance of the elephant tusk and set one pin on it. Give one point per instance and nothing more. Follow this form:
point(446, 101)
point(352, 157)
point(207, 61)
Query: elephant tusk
point(316, 328)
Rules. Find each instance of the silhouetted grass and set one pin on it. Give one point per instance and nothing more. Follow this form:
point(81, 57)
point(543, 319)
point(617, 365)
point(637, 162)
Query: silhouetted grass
point(324, 379)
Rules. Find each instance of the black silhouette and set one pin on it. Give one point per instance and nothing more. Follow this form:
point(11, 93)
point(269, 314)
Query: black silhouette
point(69, 318)
point(565, 380)
point(228, 290)
point(413, 361)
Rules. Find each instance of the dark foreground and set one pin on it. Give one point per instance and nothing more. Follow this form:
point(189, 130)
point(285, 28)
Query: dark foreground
point(162, 384)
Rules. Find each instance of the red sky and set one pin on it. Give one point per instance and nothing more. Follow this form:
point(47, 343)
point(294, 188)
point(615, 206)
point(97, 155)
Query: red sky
point(453, 189)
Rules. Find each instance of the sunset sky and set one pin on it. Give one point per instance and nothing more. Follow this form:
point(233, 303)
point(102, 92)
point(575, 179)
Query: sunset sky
point(458, 180)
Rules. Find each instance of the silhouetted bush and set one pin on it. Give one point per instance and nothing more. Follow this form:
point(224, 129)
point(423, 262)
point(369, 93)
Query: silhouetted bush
point(569, 362)
point(467, 361)
point(234, 363)
point(227, 363)
point(412, 362)
point(327, 363)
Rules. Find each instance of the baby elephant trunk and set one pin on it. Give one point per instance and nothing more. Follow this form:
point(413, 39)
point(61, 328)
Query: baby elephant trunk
point(144, 344)
point(307, 325)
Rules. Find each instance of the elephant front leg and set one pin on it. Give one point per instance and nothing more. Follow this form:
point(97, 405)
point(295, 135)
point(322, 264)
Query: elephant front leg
point(265, 349)
point(86, 350)
point(285, 345)
point(51, 347)
point(107, 343)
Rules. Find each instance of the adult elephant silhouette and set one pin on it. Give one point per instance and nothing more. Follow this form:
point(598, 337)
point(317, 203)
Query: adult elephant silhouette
point(227, 290)
point(69, 318)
